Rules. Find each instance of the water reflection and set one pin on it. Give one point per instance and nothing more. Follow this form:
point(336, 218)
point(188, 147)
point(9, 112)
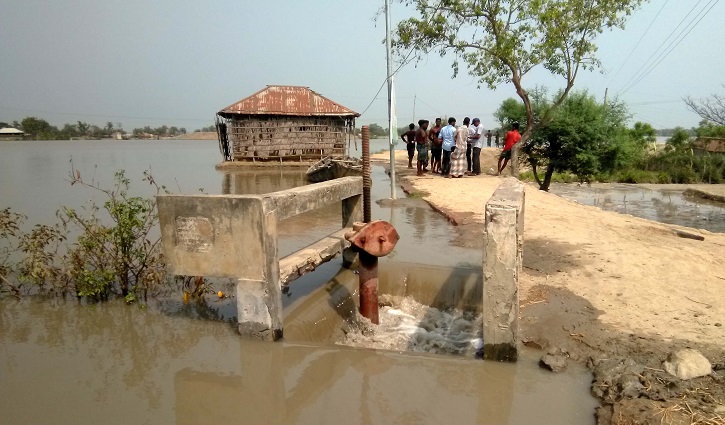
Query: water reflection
point(67, 363)
point(663, 205)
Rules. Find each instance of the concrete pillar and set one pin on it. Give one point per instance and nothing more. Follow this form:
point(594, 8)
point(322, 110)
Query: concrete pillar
point(352, 210)
point(259, 296)
point(502, 262)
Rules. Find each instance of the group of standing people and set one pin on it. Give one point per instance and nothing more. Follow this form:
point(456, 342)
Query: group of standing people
point(453, 151)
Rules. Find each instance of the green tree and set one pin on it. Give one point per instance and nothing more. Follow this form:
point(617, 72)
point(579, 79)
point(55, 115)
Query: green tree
point(68, 131)
point(502, 41)
point(83, 128)
point(709, 129)
point(644, 133)
point(679, 141)
point(377, 131)
point(38, 128)
point(95, 132)
point(583, 137)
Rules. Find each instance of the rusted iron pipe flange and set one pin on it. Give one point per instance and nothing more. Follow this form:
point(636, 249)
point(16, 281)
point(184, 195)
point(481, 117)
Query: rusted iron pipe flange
point(377, 238)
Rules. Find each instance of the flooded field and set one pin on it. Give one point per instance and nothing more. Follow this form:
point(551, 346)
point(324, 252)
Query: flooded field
point(64, 362)
point(666, 205)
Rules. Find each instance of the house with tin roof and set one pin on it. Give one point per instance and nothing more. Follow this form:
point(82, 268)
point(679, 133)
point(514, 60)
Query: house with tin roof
point(10, 133)
point(284, 123)
point(709, 145)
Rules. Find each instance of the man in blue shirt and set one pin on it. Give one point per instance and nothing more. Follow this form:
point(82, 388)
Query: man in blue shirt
point(448, 138)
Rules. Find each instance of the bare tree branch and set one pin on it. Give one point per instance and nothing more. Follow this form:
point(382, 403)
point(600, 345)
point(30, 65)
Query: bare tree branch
point(710, 109)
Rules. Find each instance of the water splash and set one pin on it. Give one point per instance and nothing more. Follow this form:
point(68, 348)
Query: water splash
point(407, 325)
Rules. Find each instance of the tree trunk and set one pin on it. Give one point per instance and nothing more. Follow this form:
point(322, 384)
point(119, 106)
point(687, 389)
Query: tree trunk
point(547, 177)
point(516, 80)
point(533, 168)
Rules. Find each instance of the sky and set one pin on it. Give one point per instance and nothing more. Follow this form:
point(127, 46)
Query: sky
point(156, 62)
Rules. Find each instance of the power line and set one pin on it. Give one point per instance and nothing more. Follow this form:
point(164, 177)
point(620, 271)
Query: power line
point(714, 2)
point(638, 41)
point(404, 62)
point(644, 65)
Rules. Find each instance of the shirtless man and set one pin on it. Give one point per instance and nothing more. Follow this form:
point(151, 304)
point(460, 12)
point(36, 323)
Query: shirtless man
point(436, 148)
point(421, 144)
point(409, 138)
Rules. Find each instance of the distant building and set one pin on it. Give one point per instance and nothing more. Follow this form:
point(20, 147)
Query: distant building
point(118, 135)
point(284, 123)
point(10, 133)
point(708, 145)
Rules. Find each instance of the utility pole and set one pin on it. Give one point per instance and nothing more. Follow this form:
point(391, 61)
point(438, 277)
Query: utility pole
point(390, 100)
point(415, 97)
point(606, 91)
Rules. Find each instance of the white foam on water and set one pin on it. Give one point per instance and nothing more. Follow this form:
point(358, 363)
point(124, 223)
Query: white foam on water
point(407, 325)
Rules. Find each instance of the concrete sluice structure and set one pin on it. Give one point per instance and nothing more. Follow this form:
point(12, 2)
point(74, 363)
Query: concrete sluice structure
point(235, 236)
point(320, 316)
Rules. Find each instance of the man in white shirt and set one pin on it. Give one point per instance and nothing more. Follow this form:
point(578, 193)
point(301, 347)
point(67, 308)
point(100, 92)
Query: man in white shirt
point(447, 137)
point(475, 139)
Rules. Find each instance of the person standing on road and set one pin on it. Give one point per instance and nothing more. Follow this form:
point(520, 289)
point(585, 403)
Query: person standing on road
point(421, 144)
point(458, 154)
point(470, 141)
point(435, 147)
point(512, 137)
point(475, 136)
point(409, 139)
point(447, 139)
point(488, 138)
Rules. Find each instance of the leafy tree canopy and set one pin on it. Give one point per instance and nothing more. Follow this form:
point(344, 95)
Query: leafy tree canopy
point(582, 136)
point(502, 41)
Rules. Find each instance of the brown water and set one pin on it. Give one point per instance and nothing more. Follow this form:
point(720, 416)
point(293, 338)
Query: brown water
point(62, 362)
point(66, 363)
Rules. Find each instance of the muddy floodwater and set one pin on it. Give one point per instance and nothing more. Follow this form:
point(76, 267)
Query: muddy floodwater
point(663, 204)
point(170, 362)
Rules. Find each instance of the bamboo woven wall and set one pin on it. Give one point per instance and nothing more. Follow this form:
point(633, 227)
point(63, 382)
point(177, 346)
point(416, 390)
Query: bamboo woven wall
point(283, 138)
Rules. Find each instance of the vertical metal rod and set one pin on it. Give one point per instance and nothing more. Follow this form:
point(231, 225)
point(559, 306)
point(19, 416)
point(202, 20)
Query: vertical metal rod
point(369, 287)
point(391, 130)
point(367, 181)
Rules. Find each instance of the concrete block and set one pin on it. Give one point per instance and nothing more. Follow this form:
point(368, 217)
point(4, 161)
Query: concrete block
point(502, 263)
point(309, 258)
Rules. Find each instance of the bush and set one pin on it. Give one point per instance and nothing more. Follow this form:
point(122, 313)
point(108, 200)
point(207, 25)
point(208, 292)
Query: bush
point(639, 176)
point(105, 259)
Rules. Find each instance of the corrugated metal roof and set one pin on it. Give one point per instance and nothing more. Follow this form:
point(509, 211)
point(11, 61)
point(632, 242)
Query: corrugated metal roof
point(287, 100)
point(10, 130)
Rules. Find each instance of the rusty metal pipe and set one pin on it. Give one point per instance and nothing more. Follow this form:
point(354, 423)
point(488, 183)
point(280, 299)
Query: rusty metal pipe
point(371, 240)
point(367, 180)
point(369, 287)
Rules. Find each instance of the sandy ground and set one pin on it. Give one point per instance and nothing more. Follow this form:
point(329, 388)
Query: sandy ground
point(197, 135)
point(596, 283)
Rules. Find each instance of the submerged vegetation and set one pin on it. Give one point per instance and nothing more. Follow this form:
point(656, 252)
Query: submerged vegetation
point(94, 253)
